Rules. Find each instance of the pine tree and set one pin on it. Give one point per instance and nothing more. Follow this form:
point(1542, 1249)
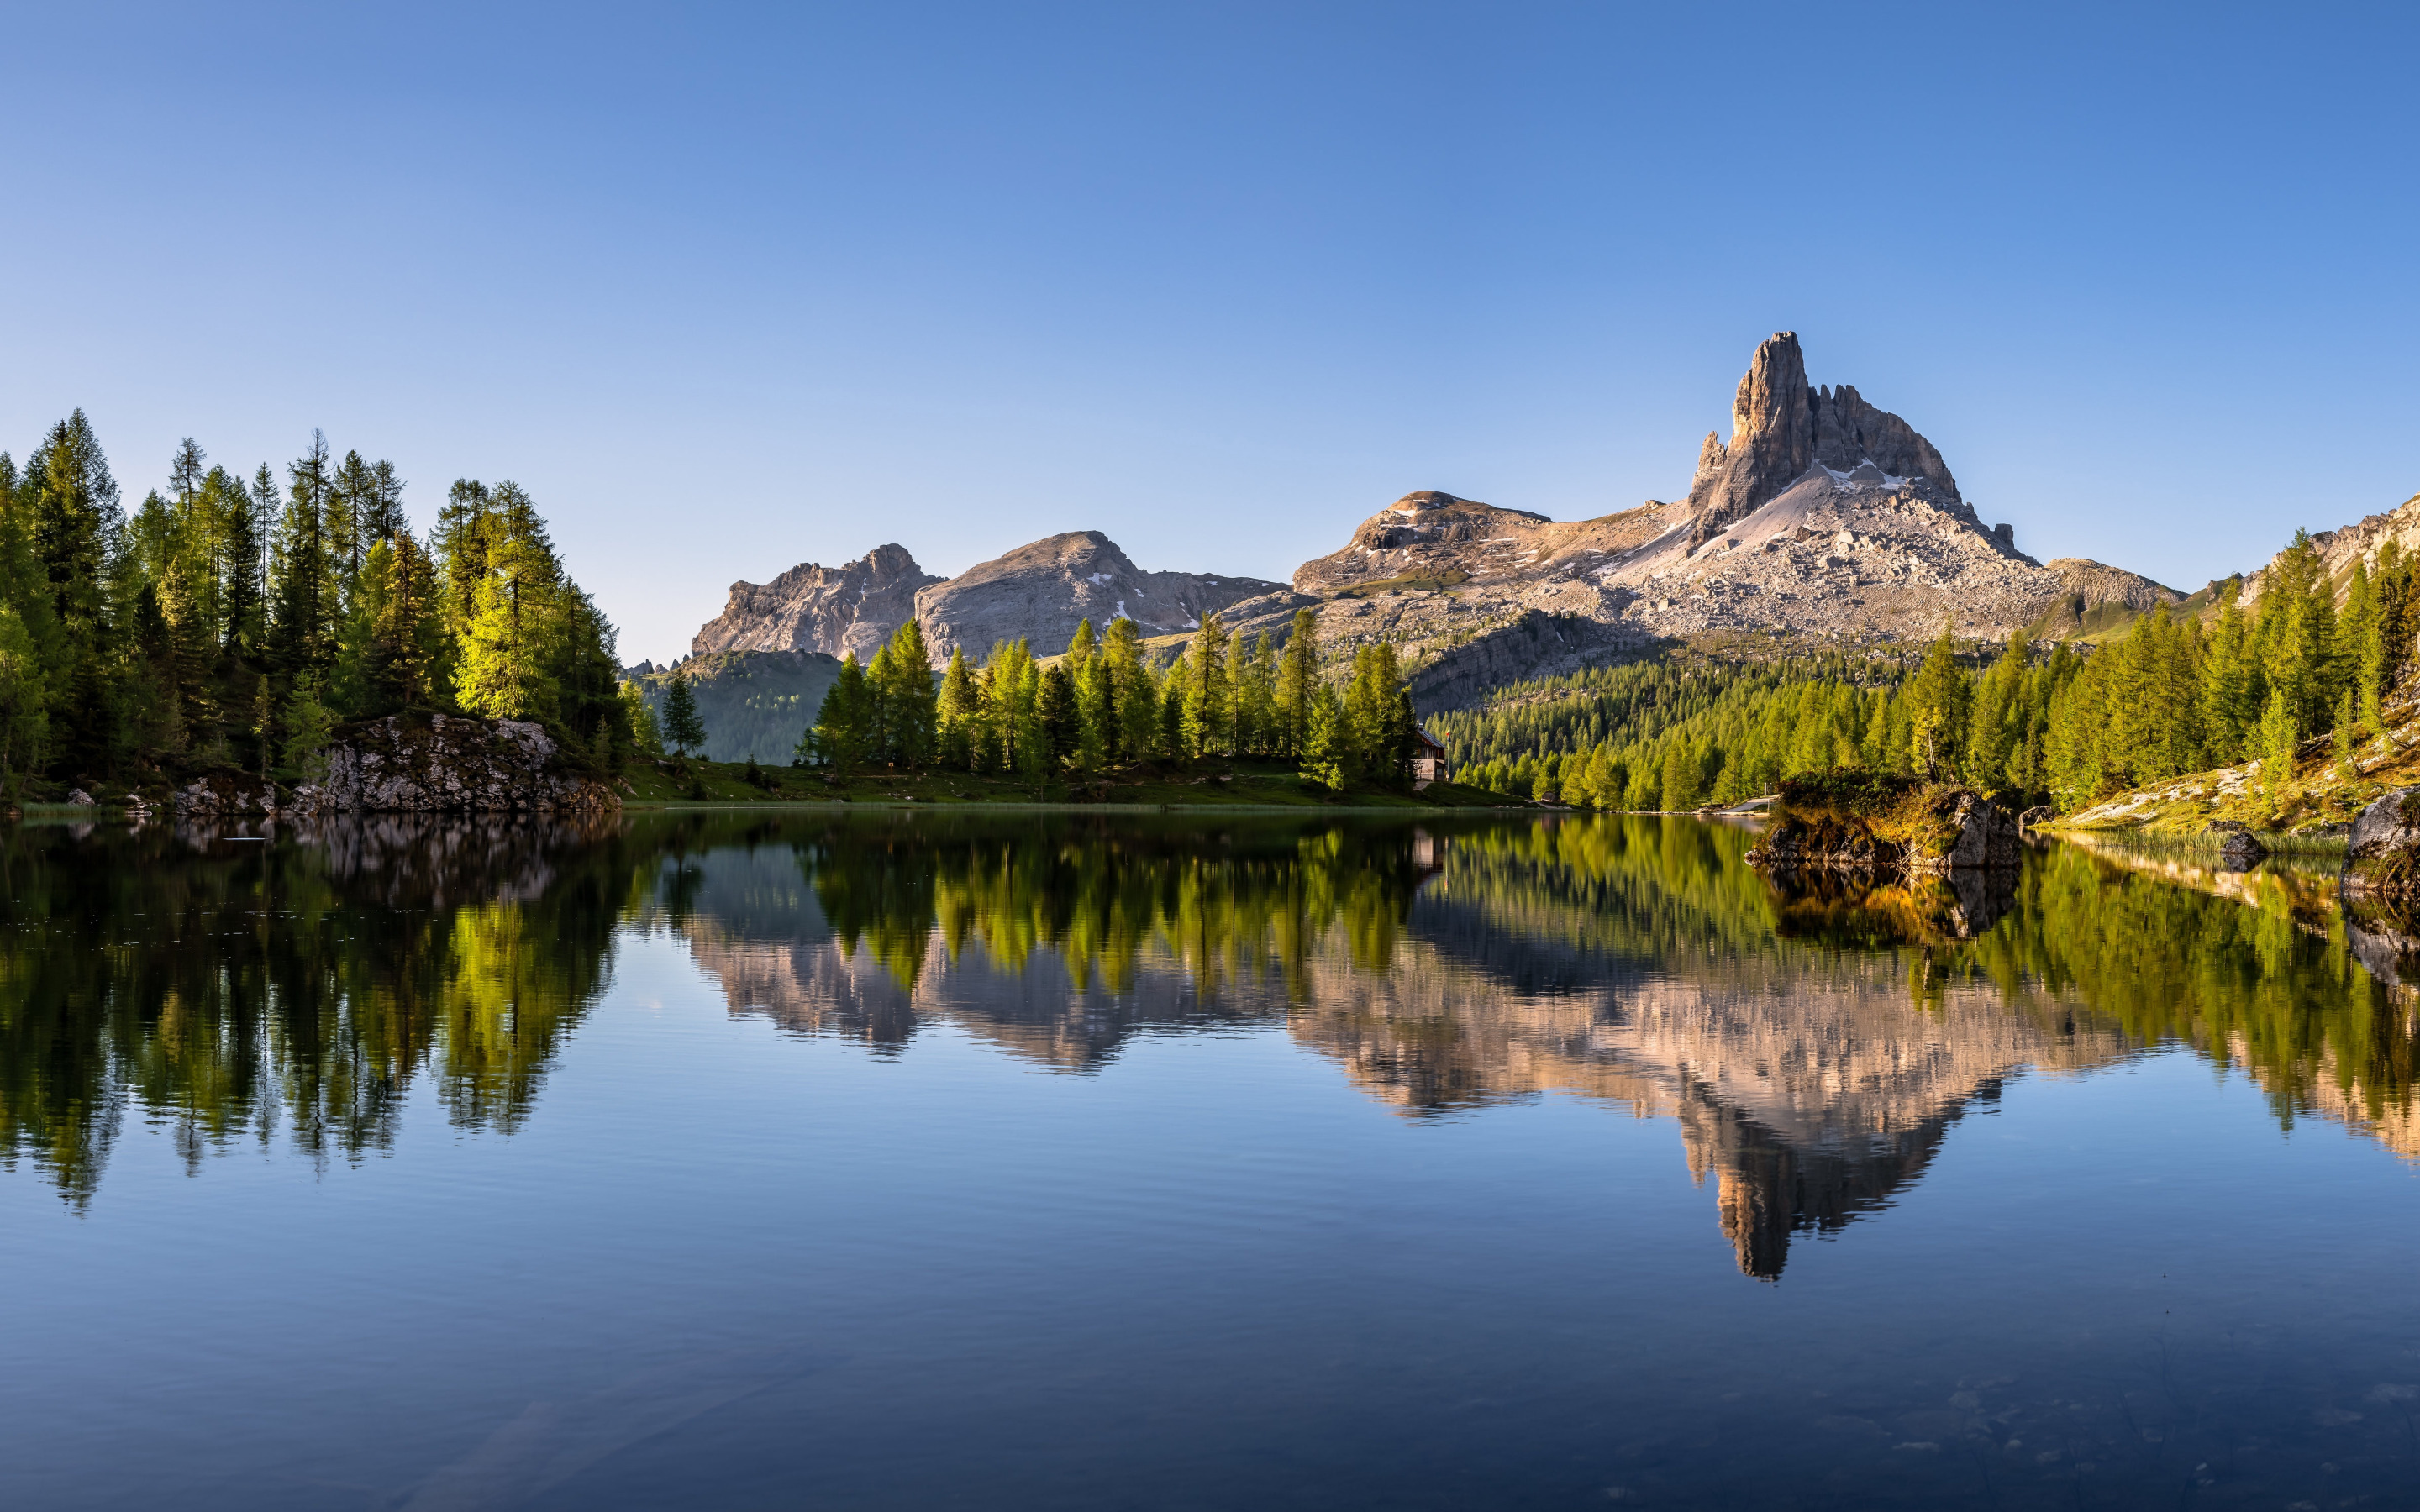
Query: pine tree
point(1937, 707)
point(307, 724)
point(354, 521)
point(1135, 705)
point(70, 504)
point(1330, 755)
point(903, 691)
point(2280, 733)
point(685, 730)
point(647, 738)
point(1055, 712)
point(1205, 724)
point(2346, 769)
point(1255, 713)
point(389, 645)
point(1374, 714)
point(1297, 675)
point(303, 597)
point(959, 715)
point(2226, 687)
point(1680, 769)
point(1094, 721)
point(1010, 689)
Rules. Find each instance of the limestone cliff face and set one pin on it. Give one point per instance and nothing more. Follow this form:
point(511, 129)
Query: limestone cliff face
point(1780, 428)
point(1822, 516)
point(1040, 591)
point(835, 611)
point(2341, 548)
point(1037, 592)
point(1428, 540)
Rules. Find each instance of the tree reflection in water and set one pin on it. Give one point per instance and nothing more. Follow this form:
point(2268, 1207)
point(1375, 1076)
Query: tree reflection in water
point(1813, 1038)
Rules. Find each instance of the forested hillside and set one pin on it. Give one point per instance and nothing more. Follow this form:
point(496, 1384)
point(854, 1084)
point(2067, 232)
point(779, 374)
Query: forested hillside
point(2173, 695)
point(1103, 706)
point(233, 622)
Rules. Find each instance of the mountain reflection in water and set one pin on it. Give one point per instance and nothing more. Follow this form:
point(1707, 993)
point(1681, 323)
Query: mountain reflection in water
point(1814, 1040)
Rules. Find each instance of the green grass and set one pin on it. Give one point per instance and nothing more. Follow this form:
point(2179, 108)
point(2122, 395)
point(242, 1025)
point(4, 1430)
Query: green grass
point(1210, 783)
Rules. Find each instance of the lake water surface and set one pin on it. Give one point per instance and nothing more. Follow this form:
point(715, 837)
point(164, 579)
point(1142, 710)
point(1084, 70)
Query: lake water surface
point(1010, 1160)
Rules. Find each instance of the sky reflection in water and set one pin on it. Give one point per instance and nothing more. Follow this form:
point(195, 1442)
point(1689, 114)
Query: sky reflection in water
point(892, 1159)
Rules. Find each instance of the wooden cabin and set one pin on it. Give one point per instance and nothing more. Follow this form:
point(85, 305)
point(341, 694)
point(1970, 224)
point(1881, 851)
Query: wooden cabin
point(1428, 760)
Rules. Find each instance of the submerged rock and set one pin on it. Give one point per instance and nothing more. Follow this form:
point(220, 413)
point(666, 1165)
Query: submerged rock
point(2239, 850)
point(2383, 854)
point(1847, 818)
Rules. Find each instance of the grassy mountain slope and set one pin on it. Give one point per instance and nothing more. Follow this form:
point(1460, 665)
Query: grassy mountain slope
point(2316, 796)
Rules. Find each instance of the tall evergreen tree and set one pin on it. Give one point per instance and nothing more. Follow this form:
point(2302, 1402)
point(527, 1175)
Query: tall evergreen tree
point(1207, 727)
point(959, 715)
point(1297, 676)
point(685, 730)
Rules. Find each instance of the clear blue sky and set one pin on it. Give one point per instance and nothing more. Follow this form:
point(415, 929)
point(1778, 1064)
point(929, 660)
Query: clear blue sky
point(728, 289)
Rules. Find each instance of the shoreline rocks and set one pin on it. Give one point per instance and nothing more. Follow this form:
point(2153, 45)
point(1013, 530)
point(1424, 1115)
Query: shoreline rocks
point(2383, 853)
point(405, 765)
point(1873, 821)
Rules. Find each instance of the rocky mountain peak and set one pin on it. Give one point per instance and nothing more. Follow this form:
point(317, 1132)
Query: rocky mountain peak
point(1781, 427)
point(1041, 590)
point(836, 611)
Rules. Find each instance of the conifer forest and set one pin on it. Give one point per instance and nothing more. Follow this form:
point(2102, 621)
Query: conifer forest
point(233, 622)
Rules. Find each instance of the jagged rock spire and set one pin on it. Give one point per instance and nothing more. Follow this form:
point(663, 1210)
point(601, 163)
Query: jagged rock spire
point(1780, 428)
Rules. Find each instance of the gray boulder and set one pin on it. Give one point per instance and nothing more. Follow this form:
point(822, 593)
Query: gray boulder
point(403, 765)
point(2383, 850)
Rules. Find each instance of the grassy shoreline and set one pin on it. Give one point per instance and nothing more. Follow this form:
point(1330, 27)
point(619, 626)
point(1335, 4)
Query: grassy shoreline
point(1212, 784)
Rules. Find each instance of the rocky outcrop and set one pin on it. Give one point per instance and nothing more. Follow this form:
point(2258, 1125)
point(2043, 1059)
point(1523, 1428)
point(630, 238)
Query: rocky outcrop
point(1431, 540)
point(1868, 821)
point(834, 611)
point(2383, 853)
point(1042, 591)
point(1781, 427)
point(412, 765)
point(227, 796)
point(1823, 516)
point(2340, 548)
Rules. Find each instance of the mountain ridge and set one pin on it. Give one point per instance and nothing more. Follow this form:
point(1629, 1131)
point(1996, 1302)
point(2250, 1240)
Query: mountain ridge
point(1821, 518)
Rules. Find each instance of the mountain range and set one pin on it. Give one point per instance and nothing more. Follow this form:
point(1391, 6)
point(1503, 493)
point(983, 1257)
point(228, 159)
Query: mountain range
point(1821, 520)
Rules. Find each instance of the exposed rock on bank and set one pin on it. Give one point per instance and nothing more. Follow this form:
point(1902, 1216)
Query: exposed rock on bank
point(2382, 855)
point(412, 765)
point(1870, 820)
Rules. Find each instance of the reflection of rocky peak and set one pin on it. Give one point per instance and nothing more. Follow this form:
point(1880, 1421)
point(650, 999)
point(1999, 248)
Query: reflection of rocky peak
point(1769, 1189)
point(1810, 1095)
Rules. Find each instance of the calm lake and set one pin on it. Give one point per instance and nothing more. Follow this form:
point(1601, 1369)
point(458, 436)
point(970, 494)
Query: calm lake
point(914, 1160)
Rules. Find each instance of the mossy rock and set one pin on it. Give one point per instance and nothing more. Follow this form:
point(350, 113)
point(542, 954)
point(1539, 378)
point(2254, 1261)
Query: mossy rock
point(1850, 816)
point(2383, 853)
